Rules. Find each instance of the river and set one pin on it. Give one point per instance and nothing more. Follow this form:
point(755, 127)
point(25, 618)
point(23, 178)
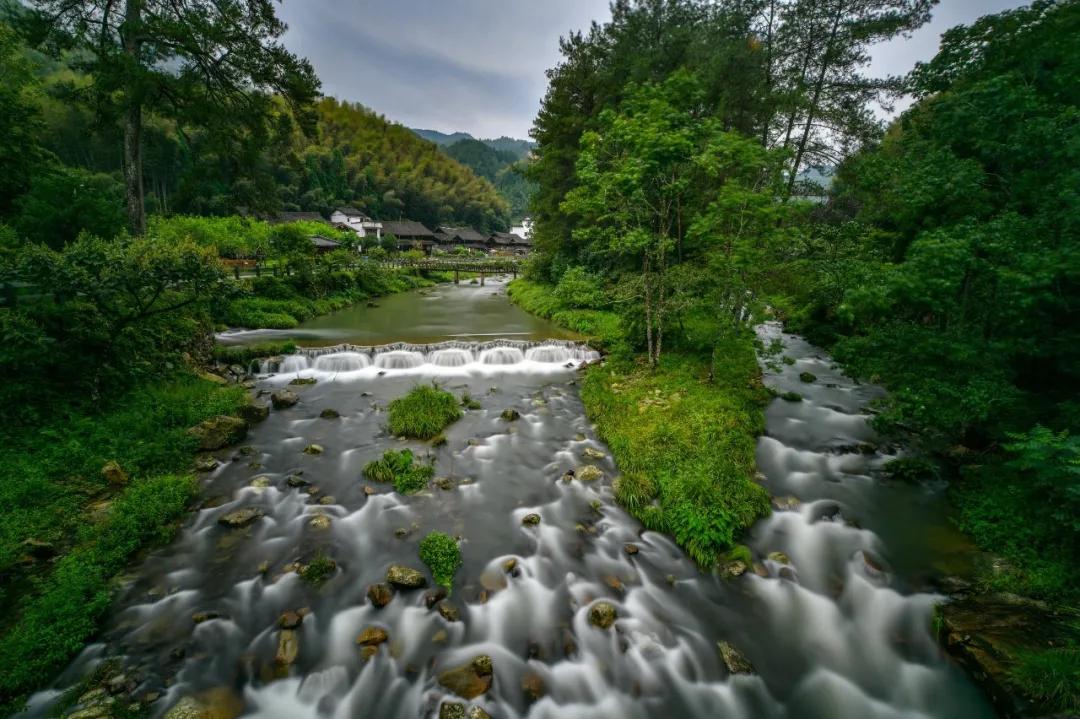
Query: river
point(837, 625)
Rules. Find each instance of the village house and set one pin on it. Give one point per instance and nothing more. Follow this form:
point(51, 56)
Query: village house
point(350, 218)
point(325, 244)
point(460, 237)
point(523, 229)
point(410, 235)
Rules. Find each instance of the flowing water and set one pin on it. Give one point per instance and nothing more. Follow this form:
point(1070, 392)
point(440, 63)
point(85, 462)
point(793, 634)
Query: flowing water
point(838, 628)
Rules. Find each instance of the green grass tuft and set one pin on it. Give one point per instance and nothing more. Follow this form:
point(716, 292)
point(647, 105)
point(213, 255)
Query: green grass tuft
point(442, 556)
point(1051, 677)
point(400, 468)
point(423, 413)
point(318, 570)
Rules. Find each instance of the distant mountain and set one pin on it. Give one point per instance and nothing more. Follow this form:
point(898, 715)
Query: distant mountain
point(503, 168)
point(441, 138)
point(519, 148)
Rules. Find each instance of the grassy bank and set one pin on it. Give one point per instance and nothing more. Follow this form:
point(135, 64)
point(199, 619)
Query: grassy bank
point(66, 529)
point(684, 445)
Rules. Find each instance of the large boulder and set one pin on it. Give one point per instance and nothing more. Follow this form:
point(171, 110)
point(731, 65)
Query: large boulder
point(380, 594)
point(284, 398)
point(469, 680)
point(241, 517)
point(372, 636)
point(113, 474)
point(406, 577)
point(589, 473)
point(218, 432)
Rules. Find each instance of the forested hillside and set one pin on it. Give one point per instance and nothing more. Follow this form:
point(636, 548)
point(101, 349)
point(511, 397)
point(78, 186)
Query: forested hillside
point(505, 169)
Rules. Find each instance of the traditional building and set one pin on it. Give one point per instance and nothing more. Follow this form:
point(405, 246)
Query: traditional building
point(410, 235)
point(460, 237)
point(523, 229)
point(325, 244)
point(284, 217)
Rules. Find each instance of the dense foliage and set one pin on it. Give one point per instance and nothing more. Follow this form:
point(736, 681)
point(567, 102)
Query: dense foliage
point(505, 169)
point(400, 468)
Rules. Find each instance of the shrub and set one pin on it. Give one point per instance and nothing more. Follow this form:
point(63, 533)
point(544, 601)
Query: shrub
point(423, 413)
point(399, 467)
point(578, 289)
point(442, 556)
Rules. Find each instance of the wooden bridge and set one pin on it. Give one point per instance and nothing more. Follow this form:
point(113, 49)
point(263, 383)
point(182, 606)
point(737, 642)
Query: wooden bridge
point(482, 267)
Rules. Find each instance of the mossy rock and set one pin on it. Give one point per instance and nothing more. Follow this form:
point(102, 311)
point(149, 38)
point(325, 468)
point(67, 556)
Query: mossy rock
point(469, 680)
point(808, 377)
point(218, 432)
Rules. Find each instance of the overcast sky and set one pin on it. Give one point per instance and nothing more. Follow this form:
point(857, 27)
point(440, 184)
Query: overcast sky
point(478, 65)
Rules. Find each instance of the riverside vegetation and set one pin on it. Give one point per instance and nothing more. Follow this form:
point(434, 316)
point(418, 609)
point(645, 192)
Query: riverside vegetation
point(942, 261)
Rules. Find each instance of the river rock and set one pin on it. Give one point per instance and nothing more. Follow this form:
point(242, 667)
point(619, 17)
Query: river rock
point(284, 398)
point(372, 636)
point(260, 482)
point(787, 503)
point(288, 647)
point(295, 480)
point(290, 620)
point(406, 577)
point(218, 432)
point(206, 463)
point(532, 685)
point(589, 473)
point(452, 710)
point(591, 453)
point(320, 521)
point(380, 594)
point(211, 377)
point(733, 569)
point(779, 557)
point(434, 596)
point(602, 615)
point(808, 377)
point(531, 519)
point(449, 612)
point(631, 548)
point(329, 414)
point(735, 662)
point(301, 381)
point(253, 411)
point(218, 703)
point(469, 680)
point(113, 474)
point(510, 414)
point(476, 712)
point(314, 449)
point(241, 517)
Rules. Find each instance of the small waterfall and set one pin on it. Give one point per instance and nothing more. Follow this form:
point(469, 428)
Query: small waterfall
point(549, 354)
point(399, 359)
point(293, 363)
point(452, 357)
point(502, 356)
point(342, 362)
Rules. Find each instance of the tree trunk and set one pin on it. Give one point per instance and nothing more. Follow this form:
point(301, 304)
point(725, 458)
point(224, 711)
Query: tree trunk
point(133, 180)
point(648, 308)
point(819, 84)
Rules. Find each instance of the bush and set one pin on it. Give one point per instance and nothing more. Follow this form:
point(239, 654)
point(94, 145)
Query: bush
point(423, 413)
point(578, 289)
point(399, 467)
point(442, 556)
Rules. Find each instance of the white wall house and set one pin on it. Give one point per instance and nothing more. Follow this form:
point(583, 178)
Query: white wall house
point(524, 229)
point(357, 221)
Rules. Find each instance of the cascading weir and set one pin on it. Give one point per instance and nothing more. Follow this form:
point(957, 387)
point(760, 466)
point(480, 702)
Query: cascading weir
point(444, 356)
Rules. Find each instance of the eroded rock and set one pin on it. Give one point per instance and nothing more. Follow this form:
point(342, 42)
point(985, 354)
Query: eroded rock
point(602, 615)
point(407, 577)
point(469, 680)
point(218, 432)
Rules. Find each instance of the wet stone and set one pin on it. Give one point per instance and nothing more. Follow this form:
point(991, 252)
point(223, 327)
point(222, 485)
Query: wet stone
point(407, 577)
point(532, 686)
point(733, 569)
point(631, 548)
point(589, 473)
point(329, 414)
point(434, 596)
point(469, 680)
point(602, 615)
point(372, 636)
point(295, 480)
point(531, 519)
point(592, 453)
point(733, 659)
point(510, 415)
point(380, 594)
point(328, 499)
point(320, 521)
point(282, 399)
point(241, 517)
point(449, 612)
point(779, 557)
point(206, 463)
point(288, 647)
point(290, 620)
point(314, 449)
point(452, 710)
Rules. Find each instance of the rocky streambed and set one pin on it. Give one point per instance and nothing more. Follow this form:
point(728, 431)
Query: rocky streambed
point(297, 591)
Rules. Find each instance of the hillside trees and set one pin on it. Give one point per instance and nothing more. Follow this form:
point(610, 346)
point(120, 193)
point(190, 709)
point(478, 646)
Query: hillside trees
point(194, 61)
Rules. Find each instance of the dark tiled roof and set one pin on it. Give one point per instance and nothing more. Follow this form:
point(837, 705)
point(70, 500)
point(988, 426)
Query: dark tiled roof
point(350, 211)
point(324, 243)
point(504, 238)
point(461, 234)
point(407, 230)
point(283, 217)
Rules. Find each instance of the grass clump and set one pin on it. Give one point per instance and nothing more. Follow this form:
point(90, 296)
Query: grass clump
point(400, 468)
point(423, 413)
point(685, 446)
point(1051, 677)
point(441, 554)
point(244, 354)
point(470, 402)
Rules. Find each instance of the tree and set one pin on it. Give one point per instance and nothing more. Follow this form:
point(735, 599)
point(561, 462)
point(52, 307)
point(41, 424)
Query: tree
point(20, 151)
point(63, 202)
point(197, 61)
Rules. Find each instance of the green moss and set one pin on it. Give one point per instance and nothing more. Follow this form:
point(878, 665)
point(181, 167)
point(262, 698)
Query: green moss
point(243, 354)
point(318, 570)
point(791, 397)
point(442, 556)
point(400, 468)
point(469, 402)
point(423, 413)
point(808, 377)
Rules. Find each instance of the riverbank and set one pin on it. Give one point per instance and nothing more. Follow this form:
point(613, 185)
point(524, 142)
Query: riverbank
point(85, 492)
point(684, 444)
